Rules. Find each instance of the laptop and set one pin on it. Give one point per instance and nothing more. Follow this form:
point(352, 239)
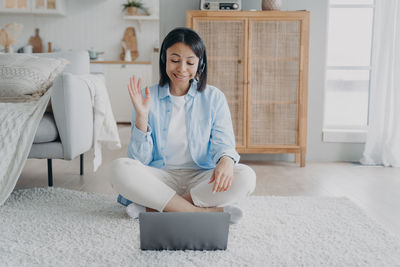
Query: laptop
point(184, 230)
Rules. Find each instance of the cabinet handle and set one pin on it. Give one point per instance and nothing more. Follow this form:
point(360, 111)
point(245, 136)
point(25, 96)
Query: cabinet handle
point(239, 61)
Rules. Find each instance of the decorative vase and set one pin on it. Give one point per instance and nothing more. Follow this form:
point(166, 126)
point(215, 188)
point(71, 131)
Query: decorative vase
point(131, 11)
point(271, 4)
point(9, 49)
point(128, 56)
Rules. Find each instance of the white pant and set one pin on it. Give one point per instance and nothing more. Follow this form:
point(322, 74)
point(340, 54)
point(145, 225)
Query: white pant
point(154, 188)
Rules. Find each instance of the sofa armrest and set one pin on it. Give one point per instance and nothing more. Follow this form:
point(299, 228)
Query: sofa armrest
point(73, 113)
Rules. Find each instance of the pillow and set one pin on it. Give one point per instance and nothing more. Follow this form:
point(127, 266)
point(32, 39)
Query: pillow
point(26, 77)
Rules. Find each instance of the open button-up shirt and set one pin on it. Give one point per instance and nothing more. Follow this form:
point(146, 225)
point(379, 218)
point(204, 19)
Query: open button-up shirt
point(208, 126)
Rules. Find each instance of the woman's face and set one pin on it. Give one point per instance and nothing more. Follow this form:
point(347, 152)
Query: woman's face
point(181, 66)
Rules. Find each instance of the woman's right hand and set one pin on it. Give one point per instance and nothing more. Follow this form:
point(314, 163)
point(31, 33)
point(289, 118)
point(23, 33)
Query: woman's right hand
point(141, 104)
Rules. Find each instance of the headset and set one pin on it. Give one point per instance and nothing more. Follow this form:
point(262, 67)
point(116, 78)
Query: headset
point(201, 66)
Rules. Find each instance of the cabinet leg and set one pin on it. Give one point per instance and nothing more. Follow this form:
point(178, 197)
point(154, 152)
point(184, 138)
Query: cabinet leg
point(303, 158)
point(297, 157)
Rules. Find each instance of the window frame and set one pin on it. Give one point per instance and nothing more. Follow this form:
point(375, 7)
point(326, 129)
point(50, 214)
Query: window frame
point(341, 133)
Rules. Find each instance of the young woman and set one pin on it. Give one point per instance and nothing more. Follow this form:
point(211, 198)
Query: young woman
point(182, 155)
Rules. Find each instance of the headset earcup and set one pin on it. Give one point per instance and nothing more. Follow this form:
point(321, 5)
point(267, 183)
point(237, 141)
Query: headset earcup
point(201, 67)
point(162, 56)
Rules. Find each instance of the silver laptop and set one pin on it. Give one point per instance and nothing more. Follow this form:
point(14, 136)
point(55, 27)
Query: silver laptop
point(184, 230)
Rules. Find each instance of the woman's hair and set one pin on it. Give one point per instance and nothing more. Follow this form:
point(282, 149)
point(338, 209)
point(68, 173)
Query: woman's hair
point(190, 38)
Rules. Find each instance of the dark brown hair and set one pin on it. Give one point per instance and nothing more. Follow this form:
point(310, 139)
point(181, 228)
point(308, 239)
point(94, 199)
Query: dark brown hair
point(190, 38)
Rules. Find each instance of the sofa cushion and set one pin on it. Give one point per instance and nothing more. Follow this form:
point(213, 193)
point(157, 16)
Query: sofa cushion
point(52, 150)
point(79, 62)
point(47, 130)
point(26, 77)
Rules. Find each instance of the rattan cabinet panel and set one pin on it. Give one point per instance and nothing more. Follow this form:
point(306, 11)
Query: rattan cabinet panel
point(225, 40)
point(260, 61)
point(274, 68)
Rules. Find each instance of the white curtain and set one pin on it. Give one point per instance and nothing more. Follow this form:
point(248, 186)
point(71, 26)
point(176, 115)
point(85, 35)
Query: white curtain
point(383, 138)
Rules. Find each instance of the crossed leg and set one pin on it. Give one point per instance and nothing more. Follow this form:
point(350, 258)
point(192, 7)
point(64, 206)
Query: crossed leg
point(149, 188)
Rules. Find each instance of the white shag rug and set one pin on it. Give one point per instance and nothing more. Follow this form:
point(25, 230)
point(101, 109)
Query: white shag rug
point(59, 227)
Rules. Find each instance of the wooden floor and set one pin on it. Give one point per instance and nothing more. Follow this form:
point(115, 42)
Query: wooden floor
point(375, 189)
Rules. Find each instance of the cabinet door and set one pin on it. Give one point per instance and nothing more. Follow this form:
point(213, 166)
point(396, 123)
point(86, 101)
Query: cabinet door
point(117, 79)
point(56, 7)
point(44, 5)
point(274, 52)
point(226, 56)
point(15, 6)
point(48, 7)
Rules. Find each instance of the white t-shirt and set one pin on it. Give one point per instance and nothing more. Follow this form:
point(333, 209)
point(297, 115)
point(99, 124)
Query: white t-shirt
point(177, 149)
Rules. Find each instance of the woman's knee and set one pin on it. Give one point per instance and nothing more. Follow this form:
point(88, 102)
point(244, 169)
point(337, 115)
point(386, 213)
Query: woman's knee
point(245, 178)
point(121, 168)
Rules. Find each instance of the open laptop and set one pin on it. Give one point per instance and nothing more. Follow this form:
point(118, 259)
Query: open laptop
point(184, 230)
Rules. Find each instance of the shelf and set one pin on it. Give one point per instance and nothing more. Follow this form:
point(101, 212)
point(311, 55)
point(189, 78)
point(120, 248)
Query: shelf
point(35, 12)
point(15, 11)
point(141, 17)
point(119, 62)
point(48, 12)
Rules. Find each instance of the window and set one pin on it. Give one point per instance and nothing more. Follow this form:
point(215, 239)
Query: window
point(350, 30)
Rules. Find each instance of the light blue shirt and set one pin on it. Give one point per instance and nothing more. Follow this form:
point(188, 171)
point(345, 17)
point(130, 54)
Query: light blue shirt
point(208, 126)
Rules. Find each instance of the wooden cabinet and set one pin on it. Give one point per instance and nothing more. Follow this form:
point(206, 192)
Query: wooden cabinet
point(48, 7)
point(15, 6)
point(55, 7)
point(117, 75)
point(259, 59)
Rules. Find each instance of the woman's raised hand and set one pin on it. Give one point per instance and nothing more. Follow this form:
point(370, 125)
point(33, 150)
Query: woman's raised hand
point(141, 104)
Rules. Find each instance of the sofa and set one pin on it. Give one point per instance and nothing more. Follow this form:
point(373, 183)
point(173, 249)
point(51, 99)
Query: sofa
point(66, 129)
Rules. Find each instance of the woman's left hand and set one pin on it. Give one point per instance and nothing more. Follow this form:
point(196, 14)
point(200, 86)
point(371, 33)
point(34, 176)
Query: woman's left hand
point(222, 175)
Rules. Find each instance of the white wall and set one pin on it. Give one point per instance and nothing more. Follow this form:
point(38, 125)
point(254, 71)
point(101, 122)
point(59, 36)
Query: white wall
point(90, 23)
point(99, 24)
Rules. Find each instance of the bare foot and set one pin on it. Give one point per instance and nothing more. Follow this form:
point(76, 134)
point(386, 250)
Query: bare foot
point(180, 204)
point(188, 197)
point(151, 210)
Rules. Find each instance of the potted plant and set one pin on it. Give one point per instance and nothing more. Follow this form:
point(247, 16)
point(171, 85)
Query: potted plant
point(131, 7)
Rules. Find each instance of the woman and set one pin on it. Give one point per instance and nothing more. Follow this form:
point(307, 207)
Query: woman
point(182, 155)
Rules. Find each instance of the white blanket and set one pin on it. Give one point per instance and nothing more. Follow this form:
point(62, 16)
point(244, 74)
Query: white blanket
point(19, 122)
point(18, 125)
point(105, 129)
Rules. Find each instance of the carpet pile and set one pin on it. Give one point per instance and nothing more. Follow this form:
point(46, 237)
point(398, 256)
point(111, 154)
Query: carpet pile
point(60, 227)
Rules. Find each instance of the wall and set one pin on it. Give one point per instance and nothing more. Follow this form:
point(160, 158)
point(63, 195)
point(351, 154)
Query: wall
point(96, 24)
point(99, 24)
point(316, 149)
